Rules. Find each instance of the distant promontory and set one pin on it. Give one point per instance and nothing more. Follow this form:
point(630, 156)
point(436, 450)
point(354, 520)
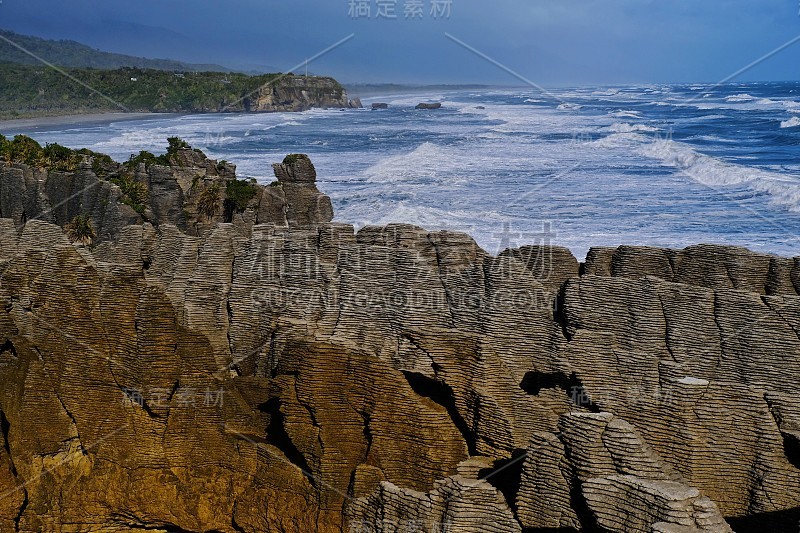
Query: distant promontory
point(33, 91)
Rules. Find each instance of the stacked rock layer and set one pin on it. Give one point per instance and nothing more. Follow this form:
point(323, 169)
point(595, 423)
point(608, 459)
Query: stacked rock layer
point(301, 376)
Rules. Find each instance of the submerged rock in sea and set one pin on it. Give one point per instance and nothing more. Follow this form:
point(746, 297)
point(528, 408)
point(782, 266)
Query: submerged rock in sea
point(423, 105)
point(296, 375)
point(380, 105)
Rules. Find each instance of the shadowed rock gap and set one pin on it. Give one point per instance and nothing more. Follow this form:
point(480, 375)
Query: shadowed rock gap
point(791, 446)
point(534, 382)
point(505, 475)
point(279, 437)
point(786, 520)
point(8, 348)
point(442, 394)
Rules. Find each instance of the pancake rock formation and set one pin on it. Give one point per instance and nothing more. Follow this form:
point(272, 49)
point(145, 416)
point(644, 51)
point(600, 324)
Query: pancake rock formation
point(270, 370)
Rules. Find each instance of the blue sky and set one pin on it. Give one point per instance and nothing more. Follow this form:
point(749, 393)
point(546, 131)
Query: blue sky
point(552, 42)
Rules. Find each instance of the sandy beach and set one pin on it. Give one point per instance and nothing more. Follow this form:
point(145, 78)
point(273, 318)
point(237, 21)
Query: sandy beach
point(66, 120)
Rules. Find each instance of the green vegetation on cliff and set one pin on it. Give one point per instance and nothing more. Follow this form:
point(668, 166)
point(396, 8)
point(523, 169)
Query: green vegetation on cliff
point(238, 193)
point(38, 90)
point(54, 157)
point(23, 149)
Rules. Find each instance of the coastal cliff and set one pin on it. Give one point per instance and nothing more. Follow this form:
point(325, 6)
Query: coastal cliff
point(182, 187)
point(272, 370)
point(31, 91)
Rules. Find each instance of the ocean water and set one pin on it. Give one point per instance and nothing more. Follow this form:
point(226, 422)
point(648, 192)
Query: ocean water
point(645, 165)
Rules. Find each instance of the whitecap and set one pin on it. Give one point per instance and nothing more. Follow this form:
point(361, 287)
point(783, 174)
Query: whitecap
point(622, 113)
point(791, 123)
point(743, 97)
point(631, 128)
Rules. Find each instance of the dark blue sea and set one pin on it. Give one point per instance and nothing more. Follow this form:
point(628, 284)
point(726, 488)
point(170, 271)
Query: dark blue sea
point(661, 165)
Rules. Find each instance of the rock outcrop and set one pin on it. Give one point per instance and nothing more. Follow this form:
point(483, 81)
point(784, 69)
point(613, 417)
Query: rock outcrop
point(174, 187)
point(296, 375)
point(424, 105)
point(296, 93)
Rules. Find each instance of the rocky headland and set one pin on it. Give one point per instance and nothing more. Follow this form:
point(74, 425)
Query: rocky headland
point(31, 91)
point(213, 354)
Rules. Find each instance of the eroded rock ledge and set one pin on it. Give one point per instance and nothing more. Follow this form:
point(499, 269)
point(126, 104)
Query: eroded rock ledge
point(299, 376)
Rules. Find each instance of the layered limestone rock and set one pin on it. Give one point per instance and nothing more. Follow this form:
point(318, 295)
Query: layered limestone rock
point(297, 375)
point(174, 190)
point(298, 93)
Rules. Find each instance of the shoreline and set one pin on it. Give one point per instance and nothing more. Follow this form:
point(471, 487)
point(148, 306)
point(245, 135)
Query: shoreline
point(66, 120)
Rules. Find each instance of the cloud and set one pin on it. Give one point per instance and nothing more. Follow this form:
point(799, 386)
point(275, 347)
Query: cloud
point(552, 41)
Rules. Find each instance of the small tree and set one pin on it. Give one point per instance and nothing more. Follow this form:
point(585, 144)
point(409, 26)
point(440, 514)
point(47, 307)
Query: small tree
point(80, 230)
point(176, 144)
point(208, 203)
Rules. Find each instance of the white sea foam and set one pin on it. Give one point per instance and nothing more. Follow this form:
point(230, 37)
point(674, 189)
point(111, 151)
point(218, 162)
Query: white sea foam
point(622, 113)
point(791, 123)
point(631, 128)
point(743, 97)
point(566, 106)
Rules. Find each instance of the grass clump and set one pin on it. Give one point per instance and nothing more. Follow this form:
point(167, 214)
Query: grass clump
point(80, 230)
point(174, 145)
point(208, 204)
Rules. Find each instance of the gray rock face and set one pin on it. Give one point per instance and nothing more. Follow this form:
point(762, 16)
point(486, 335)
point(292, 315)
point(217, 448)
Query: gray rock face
point(173, 194)
point(295, 93)
point(298, 376)
point(57, 197)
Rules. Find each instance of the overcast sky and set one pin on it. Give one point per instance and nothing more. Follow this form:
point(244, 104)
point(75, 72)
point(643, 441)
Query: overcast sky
point(552, 42)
